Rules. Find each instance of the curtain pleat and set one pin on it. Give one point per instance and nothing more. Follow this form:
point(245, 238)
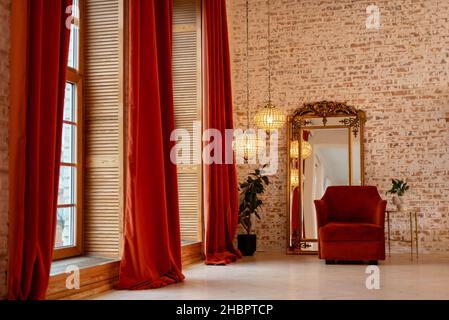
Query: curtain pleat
point(221, 190)
point(152, 244)
point(39, 54)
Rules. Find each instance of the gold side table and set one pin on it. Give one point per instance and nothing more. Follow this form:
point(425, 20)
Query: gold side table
point(413, 219)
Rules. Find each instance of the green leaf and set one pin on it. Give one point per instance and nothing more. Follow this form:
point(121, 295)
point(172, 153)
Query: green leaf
point(266, 180)
point(249, 202)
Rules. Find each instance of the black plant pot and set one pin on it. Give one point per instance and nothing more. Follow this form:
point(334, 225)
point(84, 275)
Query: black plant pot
point(247, 244)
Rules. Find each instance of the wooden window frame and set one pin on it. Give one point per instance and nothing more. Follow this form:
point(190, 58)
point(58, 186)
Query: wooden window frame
point(76, 77)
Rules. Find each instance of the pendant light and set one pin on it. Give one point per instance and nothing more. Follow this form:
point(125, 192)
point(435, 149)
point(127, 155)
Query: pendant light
point(306, 149)
point(247, 144)
point(270, 117)
point(294, 178)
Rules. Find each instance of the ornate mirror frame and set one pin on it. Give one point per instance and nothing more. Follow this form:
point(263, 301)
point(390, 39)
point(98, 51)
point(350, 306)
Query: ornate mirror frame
point(351, 118)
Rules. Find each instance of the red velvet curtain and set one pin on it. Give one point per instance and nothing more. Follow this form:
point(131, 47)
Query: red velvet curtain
point(296, 221)
point(152, 248)
point(221, 190)
point(39, 53)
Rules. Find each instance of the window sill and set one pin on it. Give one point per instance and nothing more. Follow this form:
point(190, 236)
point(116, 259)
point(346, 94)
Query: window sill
point(98, 275)
point(185, 243)
point(60, 266)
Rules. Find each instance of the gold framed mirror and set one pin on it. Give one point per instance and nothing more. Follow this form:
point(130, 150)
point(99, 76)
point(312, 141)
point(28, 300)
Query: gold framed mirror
point(325, 148)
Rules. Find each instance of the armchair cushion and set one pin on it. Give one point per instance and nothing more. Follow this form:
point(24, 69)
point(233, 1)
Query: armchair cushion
point(339, 231)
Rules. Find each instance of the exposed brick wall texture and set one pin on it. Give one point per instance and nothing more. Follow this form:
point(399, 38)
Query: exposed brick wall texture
point(399, 75)
point(4, 115)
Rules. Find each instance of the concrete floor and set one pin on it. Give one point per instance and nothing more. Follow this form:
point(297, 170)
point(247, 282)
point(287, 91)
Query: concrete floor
point(280, 277)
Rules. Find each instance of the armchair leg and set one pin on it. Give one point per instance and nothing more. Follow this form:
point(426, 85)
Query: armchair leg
point(329, 262)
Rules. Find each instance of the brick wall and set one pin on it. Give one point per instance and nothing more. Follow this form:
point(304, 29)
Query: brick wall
point(399, 75)
point(4, 114)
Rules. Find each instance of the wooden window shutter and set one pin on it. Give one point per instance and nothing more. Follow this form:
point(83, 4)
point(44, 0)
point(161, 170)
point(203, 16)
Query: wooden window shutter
point(103, 200)
point(187, 47)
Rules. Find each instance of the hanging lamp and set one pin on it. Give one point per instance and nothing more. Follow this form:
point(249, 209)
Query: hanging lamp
point(270, 117)
point(294, 178)
point(247, 144)
point(306, 149)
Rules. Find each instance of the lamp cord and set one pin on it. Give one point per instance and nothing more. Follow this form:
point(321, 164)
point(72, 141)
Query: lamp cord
point(269, 53)
point(247, 63)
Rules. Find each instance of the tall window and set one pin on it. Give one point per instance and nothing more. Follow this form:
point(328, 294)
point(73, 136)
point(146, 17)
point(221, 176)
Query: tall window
point(68, 240)
point(188, 109)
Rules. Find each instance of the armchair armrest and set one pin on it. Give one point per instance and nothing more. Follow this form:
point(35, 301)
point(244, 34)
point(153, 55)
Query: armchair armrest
point(321, 213)
point(379, 214)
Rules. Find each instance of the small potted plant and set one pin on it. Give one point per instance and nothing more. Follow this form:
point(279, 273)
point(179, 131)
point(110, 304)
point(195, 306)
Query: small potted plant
point(249, 205)
point(398, 189)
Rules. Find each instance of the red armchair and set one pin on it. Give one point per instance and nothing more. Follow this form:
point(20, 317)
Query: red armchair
point(351, 223)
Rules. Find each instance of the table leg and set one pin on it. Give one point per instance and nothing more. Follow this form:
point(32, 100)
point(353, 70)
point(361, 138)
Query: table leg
point(411, 235)
point(389, 237)
point(416, 234)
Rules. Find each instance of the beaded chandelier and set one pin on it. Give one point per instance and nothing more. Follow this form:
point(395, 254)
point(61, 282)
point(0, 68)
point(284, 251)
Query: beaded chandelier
point(247, 145)
point(306, 151)
point(270, 118)
point(294, 178)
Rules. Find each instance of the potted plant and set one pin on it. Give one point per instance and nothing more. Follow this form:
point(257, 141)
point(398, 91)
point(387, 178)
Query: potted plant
point(249, 205)
point(398, 189)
